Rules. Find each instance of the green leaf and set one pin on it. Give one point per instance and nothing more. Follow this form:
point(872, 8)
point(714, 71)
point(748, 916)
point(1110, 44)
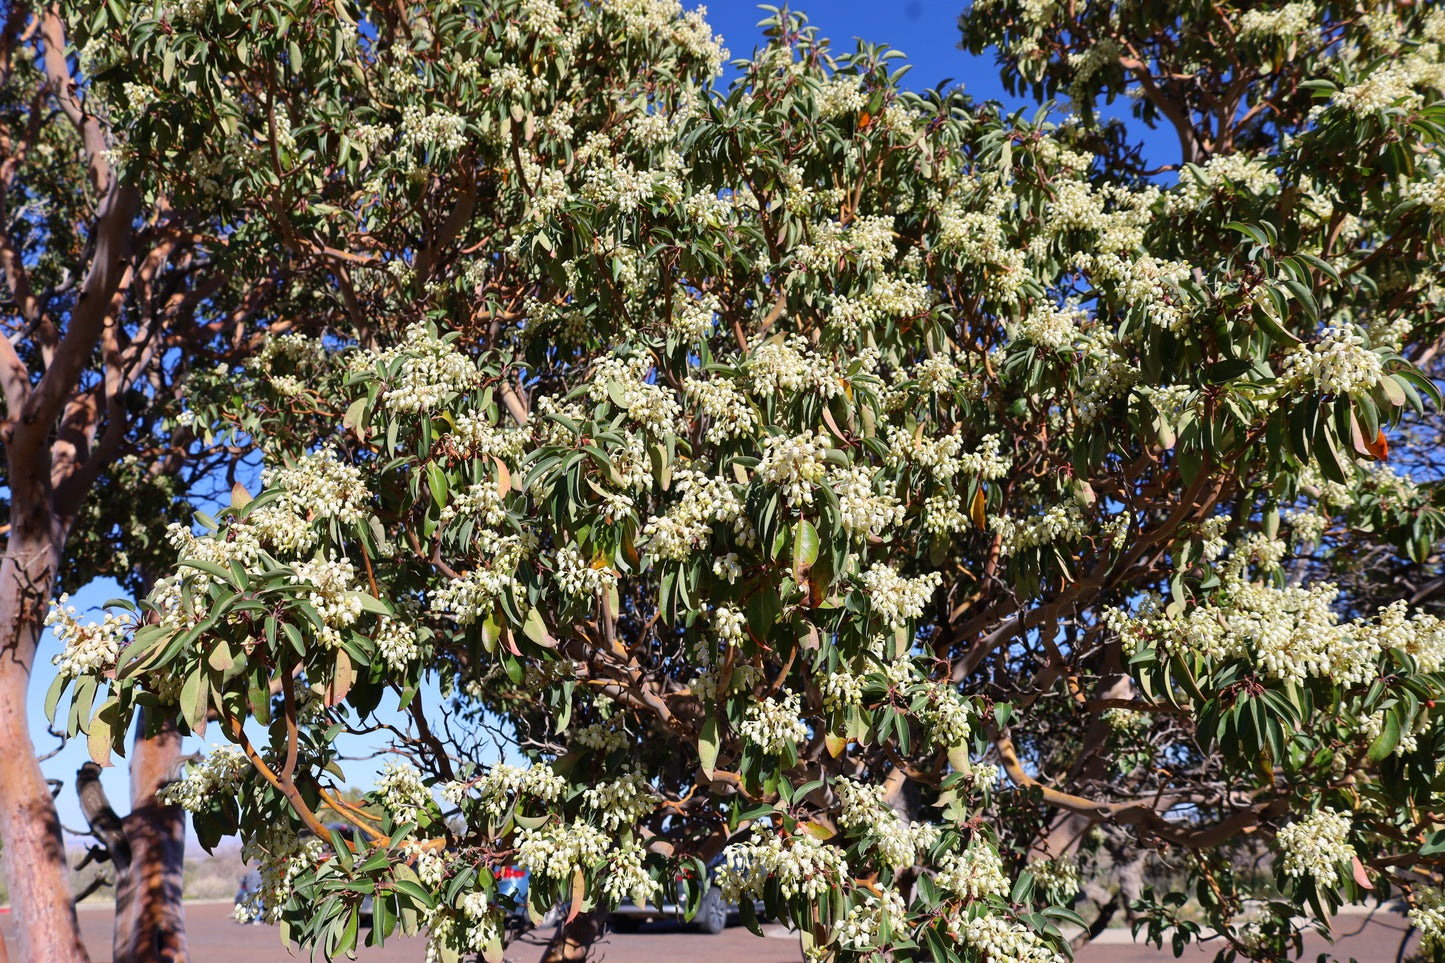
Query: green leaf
point(1387, 740)
point(805, 548)
point(707, 746)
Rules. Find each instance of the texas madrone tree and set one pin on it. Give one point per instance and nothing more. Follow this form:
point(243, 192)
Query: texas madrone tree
point(916, 507)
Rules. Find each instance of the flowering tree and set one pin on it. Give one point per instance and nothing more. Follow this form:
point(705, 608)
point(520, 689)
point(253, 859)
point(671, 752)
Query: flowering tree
point(121, 293)
point(900, 502)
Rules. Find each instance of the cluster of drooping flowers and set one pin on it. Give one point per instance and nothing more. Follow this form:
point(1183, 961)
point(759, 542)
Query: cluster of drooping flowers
point(973, 874)
point(1288, 22)
point(801, 864)
point(1291, 633)
point(688, 524)
point(1316, 846)
point(622, 801)
point(1427, 911)
point(791, 366)
point(794, 464)
point(897, 599)
point(87, 648)
point(482, 502)
point(863, 926)
point(400, 791)
point(500, 786)
point(626, 878)
point(948, 717)
point(579, 579)
point(896, 842)
point(624, 380)
point(319, 485)
point(481, 919)
point(728, 411)
point(219, 773)
point(840, 690)
point(1063, 522)
point(473, 596)
point(1339, 363)
point(431, 371)
point(1061, 875)
point(558, 851)
point(332, 594)
point(279, 856)
point(1050, 327)
point(997, 937)
point(864, 511)
point(773, 724)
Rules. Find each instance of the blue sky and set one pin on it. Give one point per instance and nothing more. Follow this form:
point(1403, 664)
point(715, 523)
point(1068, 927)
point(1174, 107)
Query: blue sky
point(924, 30)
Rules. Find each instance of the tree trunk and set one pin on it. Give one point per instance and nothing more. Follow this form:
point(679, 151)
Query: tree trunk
point(150, 919)
point(574, 939)
point(46, 927)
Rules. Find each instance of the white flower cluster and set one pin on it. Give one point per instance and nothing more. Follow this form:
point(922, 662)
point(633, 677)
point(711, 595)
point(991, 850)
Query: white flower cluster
point(482, 502)
point(896, 841)
point(431, 371)
point(973, 874)
point(439, 130)
point(795, 464)
point(729, 413)
point(1061, 875)
point(1430, 192)
point(841, 690)
point(1057, 523)
point(473, 595)
point(839, 96)
point(626, 878)
point(579, 579)
point(1338, 364)
point(864, 512)
point(621, 802)
point(948, 717)
point(279, 856)
point(944, 456)
point(502, 784)
point(729, 624)
point(863, 926)
point(791, 366)
point(479, 437)
point(604, 736)
point(558, 851)
point(219, 772)
point(897, 599)
point(773, 724)
point(646, 20)
point(652, 406)
point(998, 938)
point(319, 485)
point(688, 524)
point(1316, 846)
point(802, 864)
point(1050, 327)
point(481, 919)
point(887, 297)
point(1289, 22)
point(1291, 633)
point(1427, 911)
point(87, 649)
point(332, 594)
point(400, 792)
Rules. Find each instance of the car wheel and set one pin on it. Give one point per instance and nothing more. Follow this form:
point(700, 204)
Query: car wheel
point(712, 914)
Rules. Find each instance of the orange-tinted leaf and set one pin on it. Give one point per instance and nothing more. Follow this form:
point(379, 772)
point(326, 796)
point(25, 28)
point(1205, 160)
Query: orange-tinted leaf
point(975, 511)
point(1380, 447)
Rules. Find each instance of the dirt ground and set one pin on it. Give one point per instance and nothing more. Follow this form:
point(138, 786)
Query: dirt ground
point(214, 938)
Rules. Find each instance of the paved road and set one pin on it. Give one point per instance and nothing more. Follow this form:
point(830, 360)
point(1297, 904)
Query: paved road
point(214, 938)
